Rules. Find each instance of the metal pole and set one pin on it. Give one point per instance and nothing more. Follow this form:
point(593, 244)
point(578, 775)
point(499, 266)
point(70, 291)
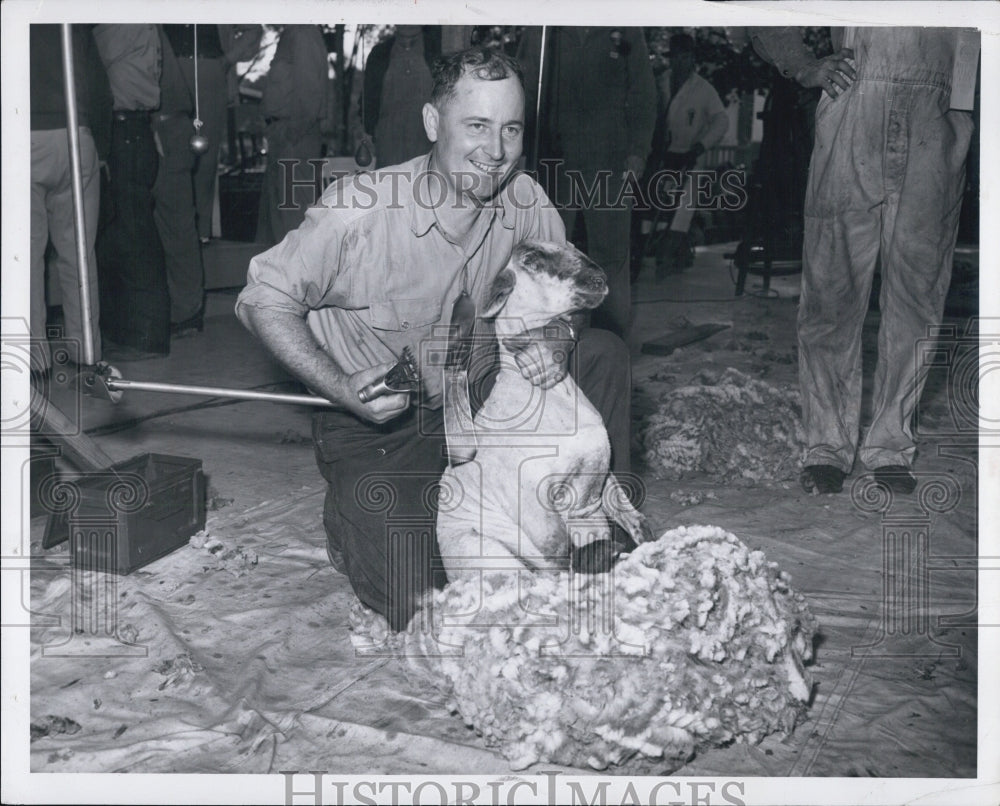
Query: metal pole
point(76, 172)
point(538, 99)
point(118, 384)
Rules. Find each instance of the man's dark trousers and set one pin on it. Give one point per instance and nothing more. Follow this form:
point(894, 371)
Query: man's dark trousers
point(135, 302)
point(174, 214)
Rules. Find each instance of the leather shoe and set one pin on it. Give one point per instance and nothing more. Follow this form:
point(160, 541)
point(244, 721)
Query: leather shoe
point(896, 478)
point(188, 327)
point(822, 479)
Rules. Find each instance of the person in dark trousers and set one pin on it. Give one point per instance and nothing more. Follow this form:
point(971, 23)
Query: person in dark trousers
point(376, 268)
point(597, 116)
point(52, 209)
point(397, 85)
point(173, 194)
point(135, 300)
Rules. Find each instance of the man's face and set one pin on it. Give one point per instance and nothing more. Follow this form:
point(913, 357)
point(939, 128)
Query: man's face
point(477, 134)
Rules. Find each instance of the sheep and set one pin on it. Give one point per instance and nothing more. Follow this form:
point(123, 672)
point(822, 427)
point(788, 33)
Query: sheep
point(540, 483)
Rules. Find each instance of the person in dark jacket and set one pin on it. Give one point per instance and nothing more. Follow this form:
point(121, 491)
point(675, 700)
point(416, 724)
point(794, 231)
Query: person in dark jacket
point(597, 116)
point(397, 85)
point(293, 105)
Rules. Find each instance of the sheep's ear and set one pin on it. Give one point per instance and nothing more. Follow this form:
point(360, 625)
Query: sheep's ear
point(503, 285)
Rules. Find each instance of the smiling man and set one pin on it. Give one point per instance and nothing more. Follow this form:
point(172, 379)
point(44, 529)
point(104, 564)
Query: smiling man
point(377, 267)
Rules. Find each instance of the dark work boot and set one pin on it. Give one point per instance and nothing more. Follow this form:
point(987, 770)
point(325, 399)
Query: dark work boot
point(896, 478)
point(822, 479)
point(673, 254)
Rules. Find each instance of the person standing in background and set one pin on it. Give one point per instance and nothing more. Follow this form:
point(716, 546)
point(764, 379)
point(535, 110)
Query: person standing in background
point(240, 43)
point(696, 120)
point(397, 85)
point(52, 213)
point(219, 48)
point(886, 181)
point(293, 105)
point(135, 301)
point(598, 112)
point(173, 194)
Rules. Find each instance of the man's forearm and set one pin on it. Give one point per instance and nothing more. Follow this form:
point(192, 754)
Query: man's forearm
point(288, 338)
point(785, 49)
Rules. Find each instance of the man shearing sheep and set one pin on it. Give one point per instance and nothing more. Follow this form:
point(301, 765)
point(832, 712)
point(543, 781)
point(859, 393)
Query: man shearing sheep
point(377, 266)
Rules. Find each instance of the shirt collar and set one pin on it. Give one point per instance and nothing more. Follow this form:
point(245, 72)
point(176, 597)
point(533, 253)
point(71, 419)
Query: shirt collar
point(508, 210)
point(422, 216)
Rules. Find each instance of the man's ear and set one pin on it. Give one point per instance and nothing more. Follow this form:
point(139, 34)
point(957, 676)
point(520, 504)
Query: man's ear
point(431, 121)
point(503, 285)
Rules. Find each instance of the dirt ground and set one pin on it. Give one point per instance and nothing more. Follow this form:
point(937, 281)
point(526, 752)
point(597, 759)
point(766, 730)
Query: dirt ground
point(231, 654)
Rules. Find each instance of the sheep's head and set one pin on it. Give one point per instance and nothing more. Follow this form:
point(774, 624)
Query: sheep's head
point(542, 281)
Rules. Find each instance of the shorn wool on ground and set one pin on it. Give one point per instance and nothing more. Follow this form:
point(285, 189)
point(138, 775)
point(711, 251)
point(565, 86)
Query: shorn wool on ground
point(691, 641)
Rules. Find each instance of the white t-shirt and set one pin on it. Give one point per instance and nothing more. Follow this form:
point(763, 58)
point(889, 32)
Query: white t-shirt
point(695, 115)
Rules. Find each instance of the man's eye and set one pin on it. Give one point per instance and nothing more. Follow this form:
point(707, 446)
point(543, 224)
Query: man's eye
point(477, 127)
point(512, 131)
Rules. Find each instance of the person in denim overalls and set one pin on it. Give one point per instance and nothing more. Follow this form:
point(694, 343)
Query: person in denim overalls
point(886, 180)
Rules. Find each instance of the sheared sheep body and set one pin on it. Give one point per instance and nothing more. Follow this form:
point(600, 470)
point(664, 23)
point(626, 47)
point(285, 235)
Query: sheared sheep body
point(692, 640)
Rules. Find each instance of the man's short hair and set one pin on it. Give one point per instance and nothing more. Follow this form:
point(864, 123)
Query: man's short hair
point(486, 64)
point(681, 43)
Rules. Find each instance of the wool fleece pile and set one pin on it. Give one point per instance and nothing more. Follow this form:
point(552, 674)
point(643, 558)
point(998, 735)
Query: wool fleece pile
point(691, 641)
point(724, 423)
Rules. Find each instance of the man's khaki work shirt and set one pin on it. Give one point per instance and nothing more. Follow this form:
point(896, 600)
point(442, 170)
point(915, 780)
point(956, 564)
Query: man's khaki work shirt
point(373, 272)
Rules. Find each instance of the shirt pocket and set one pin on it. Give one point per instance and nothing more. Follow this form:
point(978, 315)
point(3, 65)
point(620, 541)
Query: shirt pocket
point(403, 314)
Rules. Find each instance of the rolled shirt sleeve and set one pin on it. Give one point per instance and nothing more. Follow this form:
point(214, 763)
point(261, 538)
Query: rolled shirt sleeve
point(784, 47)
point(301, 273)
